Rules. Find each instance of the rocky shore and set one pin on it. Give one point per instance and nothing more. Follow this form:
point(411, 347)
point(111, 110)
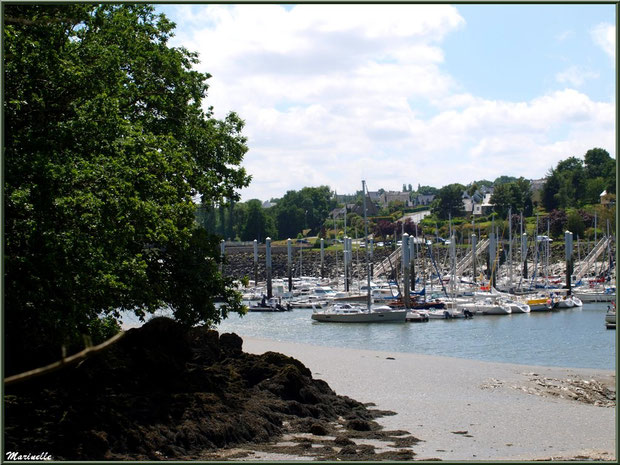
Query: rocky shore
point(164, 391)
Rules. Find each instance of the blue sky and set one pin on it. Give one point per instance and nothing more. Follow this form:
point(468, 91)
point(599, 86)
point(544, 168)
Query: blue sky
point(420, 94)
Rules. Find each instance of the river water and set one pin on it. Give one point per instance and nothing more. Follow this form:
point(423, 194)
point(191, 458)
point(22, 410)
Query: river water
point(575, 338)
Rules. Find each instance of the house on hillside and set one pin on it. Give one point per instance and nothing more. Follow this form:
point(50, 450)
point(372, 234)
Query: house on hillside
point(422, 199)
point(393, 196)
point(607, 200)
point(374, 196)
point(371, 208)
point(479, 203)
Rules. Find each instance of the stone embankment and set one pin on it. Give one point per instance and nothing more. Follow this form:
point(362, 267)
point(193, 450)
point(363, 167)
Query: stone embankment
point(306, 261)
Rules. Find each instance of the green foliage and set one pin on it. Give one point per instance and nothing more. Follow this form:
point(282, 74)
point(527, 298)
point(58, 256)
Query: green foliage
point(483, 183)
point(106, 145)
point(575, 223)
point(503, 180)
point(256, 224)
point(427, 190)
point(515, 195)
point(571, 183)
point(449, 201)
point(298, 210)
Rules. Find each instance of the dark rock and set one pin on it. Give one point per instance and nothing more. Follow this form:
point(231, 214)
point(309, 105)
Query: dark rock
point(165, 391)
point(318, 429)
point(231, 342)
point(343, 441)
point(358, 425)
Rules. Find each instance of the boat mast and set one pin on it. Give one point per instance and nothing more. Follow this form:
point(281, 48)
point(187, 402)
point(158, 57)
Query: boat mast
point(335, 243)
point(510, 248)
point(366, 244)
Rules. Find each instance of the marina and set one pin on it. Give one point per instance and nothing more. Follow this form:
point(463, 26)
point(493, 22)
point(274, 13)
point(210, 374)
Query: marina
point(574, 337)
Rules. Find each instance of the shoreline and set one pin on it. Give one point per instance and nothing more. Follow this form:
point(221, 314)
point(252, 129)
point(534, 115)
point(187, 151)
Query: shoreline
point(464, 409)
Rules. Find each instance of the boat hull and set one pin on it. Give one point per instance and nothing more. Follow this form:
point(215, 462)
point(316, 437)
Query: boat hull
point(396, 316)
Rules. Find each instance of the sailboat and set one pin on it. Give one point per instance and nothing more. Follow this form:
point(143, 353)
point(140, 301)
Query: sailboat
point(357, 313)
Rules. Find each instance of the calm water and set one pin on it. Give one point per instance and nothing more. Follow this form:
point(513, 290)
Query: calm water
point(574, 337)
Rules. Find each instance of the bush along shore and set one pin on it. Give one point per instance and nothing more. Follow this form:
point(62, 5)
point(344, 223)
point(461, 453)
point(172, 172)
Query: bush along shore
point(165, 391)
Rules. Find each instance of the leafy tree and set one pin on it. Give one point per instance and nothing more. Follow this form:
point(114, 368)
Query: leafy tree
point(483, 183)
point(384, 228)
point(427, 190)
point(307, 208)
point(557, 222)
point(106, 146)
point(449, 201)
point(575, 223)
point(550, 189)
point(504, 180)
point(599, 165)
point(521, 196)
point(502, 198)
point(597, 162)
point(255, 226)
point(594, 188)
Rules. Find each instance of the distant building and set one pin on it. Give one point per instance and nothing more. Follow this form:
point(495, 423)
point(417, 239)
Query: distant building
point(607, 200)
point(537, 184)
point(388, 197)
point(423, 199)
point(374, 196)
point(479, 203)
point(337, 212)
point(268, 204)
point(371, 208)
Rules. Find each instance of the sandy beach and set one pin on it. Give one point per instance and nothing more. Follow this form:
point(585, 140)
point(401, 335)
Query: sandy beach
point(472, 410)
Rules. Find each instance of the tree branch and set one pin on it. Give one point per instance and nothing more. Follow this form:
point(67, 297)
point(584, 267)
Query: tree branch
point(61, 363)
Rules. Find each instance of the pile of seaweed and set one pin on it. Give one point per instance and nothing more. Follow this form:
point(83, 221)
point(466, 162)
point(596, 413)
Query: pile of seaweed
point(165, 391)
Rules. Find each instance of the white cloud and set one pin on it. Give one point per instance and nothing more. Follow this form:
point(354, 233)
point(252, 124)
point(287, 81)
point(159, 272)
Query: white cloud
point(332, 94)
point(564, 35)
point(604, 36)
point(575, 76)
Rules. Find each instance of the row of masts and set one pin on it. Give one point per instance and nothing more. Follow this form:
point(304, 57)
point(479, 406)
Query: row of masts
point(411, 252)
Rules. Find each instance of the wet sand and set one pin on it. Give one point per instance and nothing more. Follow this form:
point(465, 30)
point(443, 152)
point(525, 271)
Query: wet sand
point(472, 410)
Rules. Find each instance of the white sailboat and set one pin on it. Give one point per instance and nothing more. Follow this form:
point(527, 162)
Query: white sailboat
point(357, 313)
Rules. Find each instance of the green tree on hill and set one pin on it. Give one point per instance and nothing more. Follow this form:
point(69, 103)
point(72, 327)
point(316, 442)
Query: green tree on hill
point(106, 146)
point(449, 201)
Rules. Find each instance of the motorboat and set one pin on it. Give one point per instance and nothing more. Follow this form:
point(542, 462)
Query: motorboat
point(610, 316)
point(596, 294)
point(269, 305)
point(540, 304)
point(417, 316)
point(447, 313)
point(516, 306)
point(486, 306)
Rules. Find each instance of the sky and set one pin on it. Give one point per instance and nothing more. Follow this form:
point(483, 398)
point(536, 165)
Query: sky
point(405, 94)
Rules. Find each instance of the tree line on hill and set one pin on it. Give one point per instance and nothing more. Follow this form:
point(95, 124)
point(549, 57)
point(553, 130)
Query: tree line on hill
point(573, 184)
